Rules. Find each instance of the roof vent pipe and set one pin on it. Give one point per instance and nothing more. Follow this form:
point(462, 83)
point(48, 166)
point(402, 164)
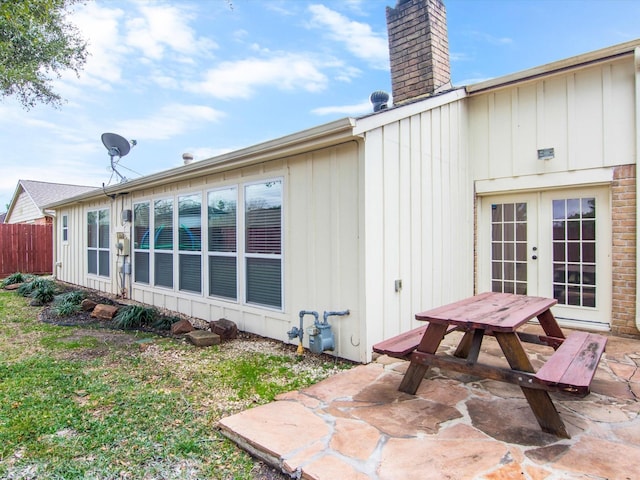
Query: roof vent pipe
point(187, 158)
point(379, 100)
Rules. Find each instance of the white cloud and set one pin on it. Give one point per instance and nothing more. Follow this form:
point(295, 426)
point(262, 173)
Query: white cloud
point(356, 109)
point(202, 153)
point(99, 26)
point(170, 121)
point(239, 79)
point(161, 27)
point(357, 37)
point(490, 39)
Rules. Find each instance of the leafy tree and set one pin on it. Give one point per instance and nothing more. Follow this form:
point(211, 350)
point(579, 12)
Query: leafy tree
point(36, 42)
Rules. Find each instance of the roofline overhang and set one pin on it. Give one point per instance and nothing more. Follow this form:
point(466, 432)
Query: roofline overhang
point(579, 61)
point(322, 136)
point(396, 113)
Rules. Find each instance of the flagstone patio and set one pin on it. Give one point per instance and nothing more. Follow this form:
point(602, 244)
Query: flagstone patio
point(357, 425)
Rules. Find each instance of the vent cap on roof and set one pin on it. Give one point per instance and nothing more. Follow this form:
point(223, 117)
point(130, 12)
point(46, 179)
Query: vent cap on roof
point(187, 158)
point(380, 100)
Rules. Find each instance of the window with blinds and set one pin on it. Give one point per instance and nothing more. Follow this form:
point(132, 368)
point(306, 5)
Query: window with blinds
point(223, 239)
point(98, 233)
point(190, 243)
point(163, 243)
point(141, 242)
point(245, 265)
point(263, 243)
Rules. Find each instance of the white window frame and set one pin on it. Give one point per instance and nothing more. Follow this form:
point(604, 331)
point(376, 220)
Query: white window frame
point(137, 249)
point(215, 253)
point(244, 255)
point(162, 251)
point(240, 255)
point(99, 248)
point(65, 228)
point(176, 242)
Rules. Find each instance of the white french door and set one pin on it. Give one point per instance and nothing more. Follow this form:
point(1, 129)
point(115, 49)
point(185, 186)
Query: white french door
point(551, 244)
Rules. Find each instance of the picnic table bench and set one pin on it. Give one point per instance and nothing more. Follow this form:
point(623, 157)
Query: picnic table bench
point(570, 369)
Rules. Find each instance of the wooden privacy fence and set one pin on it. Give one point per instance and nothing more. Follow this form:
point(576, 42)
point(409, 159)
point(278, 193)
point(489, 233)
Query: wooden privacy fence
point(25, 248)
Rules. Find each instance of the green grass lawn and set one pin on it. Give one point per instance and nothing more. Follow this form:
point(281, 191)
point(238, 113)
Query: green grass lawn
point(102, 404)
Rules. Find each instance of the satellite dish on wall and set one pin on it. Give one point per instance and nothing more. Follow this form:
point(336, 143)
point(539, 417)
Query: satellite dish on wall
point(117, 146)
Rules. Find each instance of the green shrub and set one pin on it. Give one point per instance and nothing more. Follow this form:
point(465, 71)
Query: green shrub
point(164, 322)
point(39, 288)
point(73, 297)
point(135, 316)
point(13, 279)
point(44, 291)
point(67, 303)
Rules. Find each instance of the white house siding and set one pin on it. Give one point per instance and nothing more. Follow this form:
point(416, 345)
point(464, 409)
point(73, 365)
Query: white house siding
point(587, 115)
point(24, 210)
point(71, 256)
point(70, 266)
point(418, 214)
point(321, 247)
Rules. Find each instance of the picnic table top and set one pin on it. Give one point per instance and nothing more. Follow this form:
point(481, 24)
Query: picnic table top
point(489, 311)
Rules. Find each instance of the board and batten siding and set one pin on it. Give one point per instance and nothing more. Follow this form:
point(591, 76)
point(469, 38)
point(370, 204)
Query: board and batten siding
point(418, 213)
point(321, 246)
point(71, 256)
point(586, 115)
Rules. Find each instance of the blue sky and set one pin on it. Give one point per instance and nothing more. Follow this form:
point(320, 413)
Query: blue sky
point(211, 76)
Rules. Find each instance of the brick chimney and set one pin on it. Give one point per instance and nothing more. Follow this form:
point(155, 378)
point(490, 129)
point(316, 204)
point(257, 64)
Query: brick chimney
point(418, 49)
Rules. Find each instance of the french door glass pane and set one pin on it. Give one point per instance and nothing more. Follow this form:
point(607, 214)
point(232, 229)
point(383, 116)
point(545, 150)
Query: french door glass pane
point(574, 251)
point(509, 248)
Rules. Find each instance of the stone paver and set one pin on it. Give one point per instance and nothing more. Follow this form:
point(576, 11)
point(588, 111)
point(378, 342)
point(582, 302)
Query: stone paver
point(357, 425)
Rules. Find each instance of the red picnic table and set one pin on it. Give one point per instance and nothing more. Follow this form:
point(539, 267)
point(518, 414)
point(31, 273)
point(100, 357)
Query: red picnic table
point(570, 369)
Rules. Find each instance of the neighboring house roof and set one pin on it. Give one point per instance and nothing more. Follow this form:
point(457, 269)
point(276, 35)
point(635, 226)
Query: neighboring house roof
point(38, 194)
point(2, 215)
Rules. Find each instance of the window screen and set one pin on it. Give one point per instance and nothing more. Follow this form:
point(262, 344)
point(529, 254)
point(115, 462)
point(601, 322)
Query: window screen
point(263, 243)
point(222, 227)
point(190, 240)
point(98, 233)
point(163, 243)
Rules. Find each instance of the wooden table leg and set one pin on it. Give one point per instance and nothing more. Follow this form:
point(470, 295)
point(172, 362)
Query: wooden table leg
point(429, 344)
point(539, 400)
point(550, 325)
point(465, 345)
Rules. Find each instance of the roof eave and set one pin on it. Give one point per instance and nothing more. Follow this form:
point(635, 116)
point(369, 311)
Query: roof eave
point(322, 136)
point(578, 61)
